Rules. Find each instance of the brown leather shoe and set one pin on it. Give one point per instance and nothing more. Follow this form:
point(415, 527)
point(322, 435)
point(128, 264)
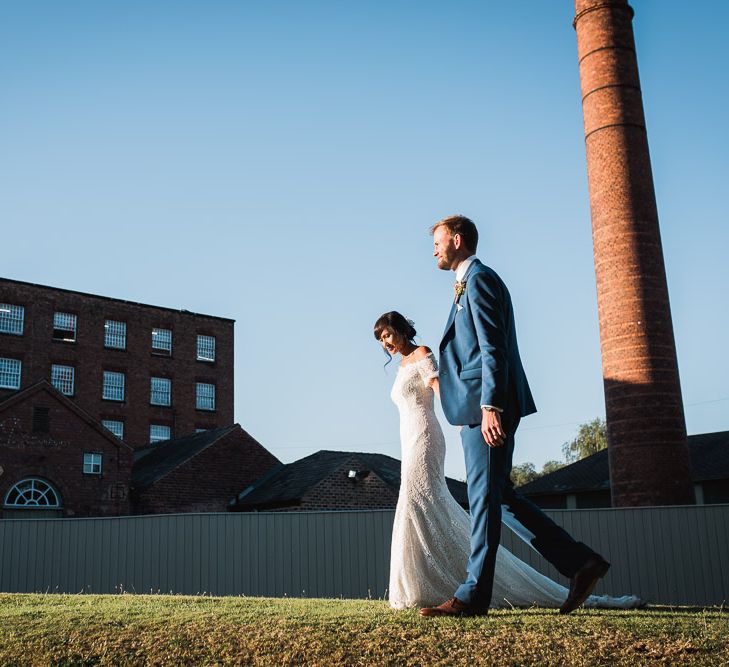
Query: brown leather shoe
point(452, 607)
point(583, 581)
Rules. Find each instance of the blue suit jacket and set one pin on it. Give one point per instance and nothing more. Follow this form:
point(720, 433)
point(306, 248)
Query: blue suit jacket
point(479, 356)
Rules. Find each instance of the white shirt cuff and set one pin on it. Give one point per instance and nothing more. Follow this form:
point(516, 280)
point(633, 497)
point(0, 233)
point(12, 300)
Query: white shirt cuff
point(491, 407)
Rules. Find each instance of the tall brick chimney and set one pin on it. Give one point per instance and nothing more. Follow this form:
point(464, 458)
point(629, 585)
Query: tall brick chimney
point(649, 462)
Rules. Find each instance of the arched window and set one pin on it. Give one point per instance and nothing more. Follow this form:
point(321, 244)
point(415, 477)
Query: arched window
point(32, 493)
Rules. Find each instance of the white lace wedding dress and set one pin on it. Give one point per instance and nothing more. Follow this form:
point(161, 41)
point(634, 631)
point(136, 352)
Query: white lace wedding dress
point(431, 533)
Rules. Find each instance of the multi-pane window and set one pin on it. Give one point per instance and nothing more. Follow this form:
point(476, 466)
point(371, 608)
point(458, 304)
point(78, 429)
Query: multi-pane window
point(162, 341)
point(116, 427)
point(10, 373)
point(33, 492)
point(205, 396)
point(115, 334)
point(157, 433)
point(11, 318)
point(64, 327)
point(206, 348)
point(62, 378)
point(160, 391)
point(113, 389)
point(92, 463)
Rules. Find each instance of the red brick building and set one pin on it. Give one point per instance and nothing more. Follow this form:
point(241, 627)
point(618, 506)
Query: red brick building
point(147, 373)
point(331, 480)
point(200, 473)
point(57, 460)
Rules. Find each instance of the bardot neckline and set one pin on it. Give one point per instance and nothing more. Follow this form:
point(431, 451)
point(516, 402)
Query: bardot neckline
point(412, 363)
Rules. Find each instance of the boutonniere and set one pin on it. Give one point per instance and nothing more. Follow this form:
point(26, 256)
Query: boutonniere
point(460, 288)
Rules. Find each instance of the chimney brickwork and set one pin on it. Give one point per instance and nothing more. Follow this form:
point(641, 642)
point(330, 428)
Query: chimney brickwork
point(649, 462)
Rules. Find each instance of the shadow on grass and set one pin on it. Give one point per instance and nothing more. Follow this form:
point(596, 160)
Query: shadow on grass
point(644, 612)
point(686, 612)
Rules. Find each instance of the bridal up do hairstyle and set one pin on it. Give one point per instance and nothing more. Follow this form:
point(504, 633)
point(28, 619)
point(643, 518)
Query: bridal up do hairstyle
point(459, 224)
point(398, 324)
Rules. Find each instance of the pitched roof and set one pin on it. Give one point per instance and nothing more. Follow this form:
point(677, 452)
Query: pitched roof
point(289, 483)
point(152, 463)
point(708, 452)
point(45, 386)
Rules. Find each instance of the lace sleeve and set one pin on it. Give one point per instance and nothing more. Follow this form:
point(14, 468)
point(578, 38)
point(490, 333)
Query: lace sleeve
point(428, 368)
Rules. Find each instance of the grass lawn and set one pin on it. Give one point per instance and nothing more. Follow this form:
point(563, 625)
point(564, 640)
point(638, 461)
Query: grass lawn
point(177, 630)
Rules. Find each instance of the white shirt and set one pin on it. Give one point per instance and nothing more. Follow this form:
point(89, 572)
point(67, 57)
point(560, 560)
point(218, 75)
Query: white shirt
point(460, 272)
point(463, 267)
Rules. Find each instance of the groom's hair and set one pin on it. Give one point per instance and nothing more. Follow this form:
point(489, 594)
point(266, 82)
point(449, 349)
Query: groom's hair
point(459, 224)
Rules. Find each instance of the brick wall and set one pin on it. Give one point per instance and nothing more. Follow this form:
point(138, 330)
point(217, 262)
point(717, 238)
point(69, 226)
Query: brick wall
point(339, 492)
point(57, 457)
point(38, 352)
point(208, 481)
point(646, 429)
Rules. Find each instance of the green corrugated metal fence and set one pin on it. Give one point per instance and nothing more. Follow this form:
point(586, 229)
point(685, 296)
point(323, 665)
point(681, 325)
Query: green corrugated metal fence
point(668, 555)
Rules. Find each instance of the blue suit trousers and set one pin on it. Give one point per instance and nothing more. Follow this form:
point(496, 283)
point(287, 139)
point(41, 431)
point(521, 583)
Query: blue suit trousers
point(488, 471)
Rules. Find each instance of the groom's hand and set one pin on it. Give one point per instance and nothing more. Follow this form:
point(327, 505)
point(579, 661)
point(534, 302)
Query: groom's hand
point(491, 428)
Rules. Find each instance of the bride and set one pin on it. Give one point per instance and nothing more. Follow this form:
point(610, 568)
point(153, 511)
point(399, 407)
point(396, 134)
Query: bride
point(431, 533)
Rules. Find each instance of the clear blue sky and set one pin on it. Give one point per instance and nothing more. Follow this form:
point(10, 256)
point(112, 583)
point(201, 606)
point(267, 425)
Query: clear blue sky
point(280, 164)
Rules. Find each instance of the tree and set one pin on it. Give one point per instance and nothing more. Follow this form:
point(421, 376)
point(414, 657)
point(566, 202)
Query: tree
point(526, 472)
point(551, 466)
point(523, 473)
point(591, 438)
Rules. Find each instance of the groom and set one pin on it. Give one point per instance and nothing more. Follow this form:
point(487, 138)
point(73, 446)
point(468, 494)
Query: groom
point(483, 388)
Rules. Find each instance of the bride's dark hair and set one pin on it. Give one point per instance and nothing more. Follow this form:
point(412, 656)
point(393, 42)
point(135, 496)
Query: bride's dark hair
point(396, 323)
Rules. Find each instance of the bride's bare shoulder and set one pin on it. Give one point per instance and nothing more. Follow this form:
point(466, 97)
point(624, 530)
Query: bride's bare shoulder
point(421, 352)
